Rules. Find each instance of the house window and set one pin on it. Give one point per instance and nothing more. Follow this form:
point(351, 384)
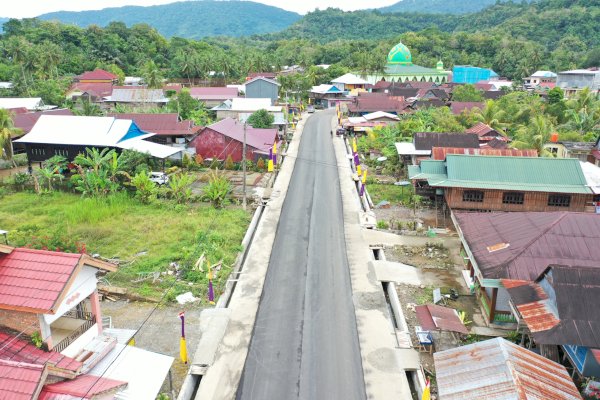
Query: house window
point(559, 200)
point(513, 198)
point(474, 196)
point(61, 151)
point(38, 151)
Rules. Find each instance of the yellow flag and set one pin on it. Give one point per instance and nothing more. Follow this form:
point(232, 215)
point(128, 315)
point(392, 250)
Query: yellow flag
point(358, 170)
point(274, 147)
point(426, 392)
point(364, 177)
point(354, 147)
point(183, 351)
point(270, 166)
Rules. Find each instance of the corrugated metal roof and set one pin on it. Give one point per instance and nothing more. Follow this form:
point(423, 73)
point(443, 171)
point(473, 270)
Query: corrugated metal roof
point(537, 240)
point(261, 139)
point(30, 103)
point(458, 107)
point(20, 381)
point(97, 74)
point(571, 316)
point(497, 369)
point(553, 175)
point(440, 153)
point(429, 140)
point(350, 79)
point(434, 317)
point(213, 93)
point(136, 94)
point(20, 351)
point(27, 120)
point(166, 124)
point(481, 129)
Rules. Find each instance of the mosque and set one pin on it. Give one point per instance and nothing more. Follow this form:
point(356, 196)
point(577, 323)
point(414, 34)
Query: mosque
point(400, 68)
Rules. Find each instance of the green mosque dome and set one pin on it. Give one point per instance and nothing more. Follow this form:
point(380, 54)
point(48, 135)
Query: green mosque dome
point(400, 54)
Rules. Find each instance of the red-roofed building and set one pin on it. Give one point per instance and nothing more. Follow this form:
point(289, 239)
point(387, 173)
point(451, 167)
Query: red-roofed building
point(97, 75)
point(94, 92)
point(225, 138)
point(366, 103)
point(213, 96)
point(486, 133)
point(51, 292)
point(166, 127)
point(83, 387)
point(21, 381)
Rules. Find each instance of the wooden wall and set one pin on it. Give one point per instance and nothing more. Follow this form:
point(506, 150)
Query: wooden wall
point(533, 201)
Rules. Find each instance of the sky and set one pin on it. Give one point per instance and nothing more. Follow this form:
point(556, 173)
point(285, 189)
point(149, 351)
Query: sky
point(33, 8)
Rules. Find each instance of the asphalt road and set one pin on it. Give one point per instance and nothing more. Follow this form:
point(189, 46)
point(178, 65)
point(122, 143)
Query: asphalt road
point(305, 342)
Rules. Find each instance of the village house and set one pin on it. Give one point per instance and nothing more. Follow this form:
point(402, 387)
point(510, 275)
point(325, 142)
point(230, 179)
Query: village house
point(327, 96)
point(262, 88)
point(53, 295)
point(24, 122)
point(69, 136)
point(93, 92)
point(225, 138)
point(367, 103)
point(213, 96)
point(135, 96)
point(97, 76)
point(241, 108)
point(486, 133)
point(540, 78)
point(370, 121)
point(167, 128)
point(499, 369)
point(350, 83)
point(579, 150)
point(28, 103)
point(470, 74)
point(561, 308)
point(573, 81)
point(491, 183)
point(424, 142)
point(521, 246)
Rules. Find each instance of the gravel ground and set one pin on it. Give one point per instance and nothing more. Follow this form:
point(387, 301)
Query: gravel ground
point(161, 332)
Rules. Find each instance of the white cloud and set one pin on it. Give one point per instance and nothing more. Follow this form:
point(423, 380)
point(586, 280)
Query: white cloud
point(32, 8)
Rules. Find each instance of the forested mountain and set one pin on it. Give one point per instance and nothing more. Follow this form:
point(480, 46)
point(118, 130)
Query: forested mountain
point(439, 6)
point(189, 19)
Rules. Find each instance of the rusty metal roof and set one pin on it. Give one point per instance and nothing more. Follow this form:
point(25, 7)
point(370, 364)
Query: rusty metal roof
point(571, 316)
point(439, 153)
point(497, 369)
point(434, 317)
point(536, 240)
point(428, 140)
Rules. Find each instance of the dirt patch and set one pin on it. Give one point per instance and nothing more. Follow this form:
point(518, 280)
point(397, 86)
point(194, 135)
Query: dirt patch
point(429, 256)
point(161, 332)
point(397, 215)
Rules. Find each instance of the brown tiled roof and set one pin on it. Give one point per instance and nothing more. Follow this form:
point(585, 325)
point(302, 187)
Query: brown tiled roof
point(535, 241)
point(429, 140)
point(439, 153)
point(481, 129)
point(458, 107)
point(161, 124)
point(382, 85)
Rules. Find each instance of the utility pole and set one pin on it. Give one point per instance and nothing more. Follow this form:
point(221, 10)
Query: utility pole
point(244, 167)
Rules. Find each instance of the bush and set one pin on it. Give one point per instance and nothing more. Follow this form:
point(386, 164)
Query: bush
point(382, 225)
point(260, 164)
point(145, 190)
point(217, 190)
point(229, 163)
point(199, 159)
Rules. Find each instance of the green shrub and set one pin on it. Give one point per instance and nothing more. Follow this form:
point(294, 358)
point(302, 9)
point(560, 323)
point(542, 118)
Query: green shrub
point(145, 190)
point(260, 164)
point(382, 225)
point(217, 190)
point(229, 163)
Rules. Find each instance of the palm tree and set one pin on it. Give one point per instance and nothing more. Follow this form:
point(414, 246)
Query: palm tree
point(152, 75)
point(16, 47)
point(535, 134)
point(491, 115)
point(88, 108)
point(7, 130)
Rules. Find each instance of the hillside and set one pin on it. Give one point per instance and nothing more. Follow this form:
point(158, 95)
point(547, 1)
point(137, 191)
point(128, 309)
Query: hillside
point(189, 19)
point(439, 6)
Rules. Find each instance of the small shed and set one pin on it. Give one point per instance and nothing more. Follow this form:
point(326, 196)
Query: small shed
point(497, 369)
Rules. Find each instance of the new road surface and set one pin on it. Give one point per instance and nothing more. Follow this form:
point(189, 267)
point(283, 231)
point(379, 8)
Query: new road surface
point(305, 342)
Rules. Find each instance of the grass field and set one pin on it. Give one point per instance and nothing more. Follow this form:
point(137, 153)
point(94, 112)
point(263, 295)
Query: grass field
point(396, 195)
point(121, 227)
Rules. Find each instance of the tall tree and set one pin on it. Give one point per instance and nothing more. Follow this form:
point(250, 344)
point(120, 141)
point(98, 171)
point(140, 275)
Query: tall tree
point(152, 75)
point(7, 130)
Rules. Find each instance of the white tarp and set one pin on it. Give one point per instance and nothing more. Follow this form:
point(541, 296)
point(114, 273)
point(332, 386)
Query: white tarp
point(408, 149)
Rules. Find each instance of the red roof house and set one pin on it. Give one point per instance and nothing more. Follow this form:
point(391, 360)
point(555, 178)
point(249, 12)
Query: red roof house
point(485, 132)
point(457, 107)
point(97, 75)
point(213, 96)
point(224, 138)
point(39, 290)
point(83, 387)
point(92, 91)
point(21, 381)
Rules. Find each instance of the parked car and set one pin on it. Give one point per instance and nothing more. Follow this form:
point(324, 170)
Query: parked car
point(160, 178)
point(310, 109)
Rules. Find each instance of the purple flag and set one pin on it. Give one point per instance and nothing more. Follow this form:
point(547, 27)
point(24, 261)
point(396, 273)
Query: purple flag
point(275, 159)
point(356, 159)
point(270, 153)
point(362, 189)
point(211, 292)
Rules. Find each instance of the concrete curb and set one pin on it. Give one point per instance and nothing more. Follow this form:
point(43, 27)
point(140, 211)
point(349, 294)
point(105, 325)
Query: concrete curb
point(223, 376)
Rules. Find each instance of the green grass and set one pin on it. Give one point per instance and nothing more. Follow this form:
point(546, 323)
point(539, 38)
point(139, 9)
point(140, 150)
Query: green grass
point(121, 227)
point(396, 195)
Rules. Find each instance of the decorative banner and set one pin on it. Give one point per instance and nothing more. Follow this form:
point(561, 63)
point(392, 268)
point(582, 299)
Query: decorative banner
point(364, 177)
point(426, 392)
point(356, 159)
point(358, 170)
point(354, 147)
point(211, 292)
point(182, 346)
point(270, 165)
point(362, 190)
point(274, 153)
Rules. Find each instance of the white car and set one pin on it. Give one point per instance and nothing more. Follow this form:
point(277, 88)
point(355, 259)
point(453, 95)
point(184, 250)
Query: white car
point(160, 178)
